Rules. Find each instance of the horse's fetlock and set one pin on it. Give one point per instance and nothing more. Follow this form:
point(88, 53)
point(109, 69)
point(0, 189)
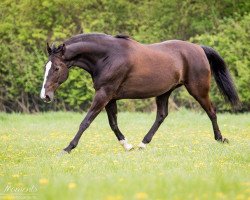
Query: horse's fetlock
point(146, 140)
point(73, 144)
point(114, 127)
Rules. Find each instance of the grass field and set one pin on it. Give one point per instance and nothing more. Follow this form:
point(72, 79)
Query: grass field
point(182, 162)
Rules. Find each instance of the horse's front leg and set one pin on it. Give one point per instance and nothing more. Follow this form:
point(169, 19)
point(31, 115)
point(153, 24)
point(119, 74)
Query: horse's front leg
point(111, 109)
point(100, 100)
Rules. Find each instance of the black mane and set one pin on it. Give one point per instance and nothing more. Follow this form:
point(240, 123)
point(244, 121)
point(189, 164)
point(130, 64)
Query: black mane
point(122, 36)
point(85, 37)
point(90, 37)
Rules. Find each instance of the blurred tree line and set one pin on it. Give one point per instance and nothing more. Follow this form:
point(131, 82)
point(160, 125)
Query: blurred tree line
point(26, 26)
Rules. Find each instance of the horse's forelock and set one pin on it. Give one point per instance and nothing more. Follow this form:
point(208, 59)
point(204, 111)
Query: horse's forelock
point(55, 49)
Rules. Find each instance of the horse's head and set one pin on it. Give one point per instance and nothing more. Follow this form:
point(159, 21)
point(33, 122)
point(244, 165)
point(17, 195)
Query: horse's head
point(56, 72)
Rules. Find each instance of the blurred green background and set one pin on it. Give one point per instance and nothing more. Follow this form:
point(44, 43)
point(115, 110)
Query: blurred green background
point(26, 26)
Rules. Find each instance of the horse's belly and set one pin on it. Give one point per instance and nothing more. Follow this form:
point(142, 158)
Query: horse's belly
point(147, 85)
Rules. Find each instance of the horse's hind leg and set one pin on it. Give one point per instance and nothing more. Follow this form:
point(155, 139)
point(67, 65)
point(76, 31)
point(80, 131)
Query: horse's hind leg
point(162, 112)
point(200, 93)
point(111, 109)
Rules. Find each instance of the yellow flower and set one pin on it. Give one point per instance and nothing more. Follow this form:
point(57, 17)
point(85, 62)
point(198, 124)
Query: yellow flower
point(43, 181)
point(8, 197)
point(195, 142)
point(220, 195)
point(141, 195)
point(121, 180)
point(71, 185)
point(247, 190)
point(246, 183)
point(240, 197)
point(15, 175)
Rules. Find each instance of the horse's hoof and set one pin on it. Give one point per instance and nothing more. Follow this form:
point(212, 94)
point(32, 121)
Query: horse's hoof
point(62, 153)
point(128, 147)
point(225, 140)
point(141, 146)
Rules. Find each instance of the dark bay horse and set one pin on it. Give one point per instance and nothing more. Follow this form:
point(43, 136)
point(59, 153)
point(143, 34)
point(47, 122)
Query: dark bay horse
point(122, 68)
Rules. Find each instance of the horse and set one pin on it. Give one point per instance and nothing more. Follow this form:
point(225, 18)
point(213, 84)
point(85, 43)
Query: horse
point(122, 68)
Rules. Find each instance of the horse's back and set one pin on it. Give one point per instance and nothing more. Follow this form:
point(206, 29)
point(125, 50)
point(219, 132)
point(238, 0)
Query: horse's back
point(178, 48)
point(158, 68)
point(152, 72)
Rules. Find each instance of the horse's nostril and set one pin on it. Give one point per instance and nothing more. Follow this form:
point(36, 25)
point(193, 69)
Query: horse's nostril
point(47, 98)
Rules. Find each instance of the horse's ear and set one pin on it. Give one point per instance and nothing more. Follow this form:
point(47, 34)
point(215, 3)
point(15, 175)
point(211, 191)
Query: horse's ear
point(49, 50)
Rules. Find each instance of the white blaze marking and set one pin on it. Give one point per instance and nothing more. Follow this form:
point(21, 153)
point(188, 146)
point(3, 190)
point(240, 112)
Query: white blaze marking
point(48, 66)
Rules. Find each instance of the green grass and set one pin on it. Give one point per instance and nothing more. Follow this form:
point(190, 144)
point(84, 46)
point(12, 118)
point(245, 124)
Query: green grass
point(182, 162)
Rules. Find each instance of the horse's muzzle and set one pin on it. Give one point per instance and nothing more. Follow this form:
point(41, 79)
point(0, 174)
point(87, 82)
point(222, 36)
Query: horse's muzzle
point(48, 97)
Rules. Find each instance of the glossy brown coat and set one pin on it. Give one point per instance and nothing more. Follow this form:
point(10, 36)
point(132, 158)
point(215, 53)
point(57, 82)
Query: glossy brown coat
point(122, 68)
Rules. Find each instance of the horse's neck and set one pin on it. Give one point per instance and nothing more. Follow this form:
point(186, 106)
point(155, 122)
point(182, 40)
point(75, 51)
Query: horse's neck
point(85, 55)
point(81, 64)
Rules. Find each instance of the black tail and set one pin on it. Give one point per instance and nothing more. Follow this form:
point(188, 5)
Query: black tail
point(222, 76)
